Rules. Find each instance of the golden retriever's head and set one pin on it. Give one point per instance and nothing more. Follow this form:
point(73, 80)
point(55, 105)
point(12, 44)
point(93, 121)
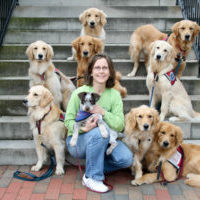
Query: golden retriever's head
point(87, 46)
point(186, 30)
point(40, 51)
point(162, 52)
point(93, 17)
point(38, 96)
point(142, 118)
point(169, 135)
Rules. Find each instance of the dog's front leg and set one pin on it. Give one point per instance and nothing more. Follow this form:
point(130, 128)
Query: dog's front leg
point(146, 178)
point(74, 138)
point(137, 166)
point(41, 154)
point(60, 158)
point(102, 127)
point(166, 98)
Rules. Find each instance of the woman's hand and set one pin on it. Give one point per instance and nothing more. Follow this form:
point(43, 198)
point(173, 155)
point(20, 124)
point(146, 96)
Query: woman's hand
point(97, 109)
point(90, 124)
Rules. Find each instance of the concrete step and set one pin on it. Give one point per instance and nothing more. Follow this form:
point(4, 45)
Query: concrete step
point(130, 24)
point(112, 11)
point(20, 67)
point(134, 85)
point(22, 152)
point(61, 36)
point(17, 128)
point(12, 105)
point(94, 3)
point(62, 51)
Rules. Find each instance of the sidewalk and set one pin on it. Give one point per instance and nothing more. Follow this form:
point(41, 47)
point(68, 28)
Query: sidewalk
point(69, 186)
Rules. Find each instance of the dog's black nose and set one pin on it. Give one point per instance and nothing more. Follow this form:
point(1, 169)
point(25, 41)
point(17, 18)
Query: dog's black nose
point(187, 37)
point(165, 143)
point(25, 101)
point(40, 56)
point(158, 57)
point(92, 23)
point(85, 53)
point(146, 126)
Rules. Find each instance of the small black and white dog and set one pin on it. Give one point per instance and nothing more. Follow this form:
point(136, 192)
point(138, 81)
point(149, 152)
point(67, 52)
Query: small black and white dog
point(88, 100)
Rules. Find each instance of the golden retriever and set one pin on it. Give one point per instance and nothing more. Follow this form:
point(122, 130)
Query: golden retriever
point(182, 37)
point(167, 139)
point(93, 21)
point(42, 72)
point(86, 47)
point(164, 146)
point(167, 88)
point(47, 128)
point(140, 125)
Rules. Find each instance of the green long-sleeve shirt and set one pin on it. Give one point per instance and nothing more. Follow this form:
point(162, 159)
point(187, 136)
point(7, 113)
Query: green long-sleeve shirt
point(110, 101)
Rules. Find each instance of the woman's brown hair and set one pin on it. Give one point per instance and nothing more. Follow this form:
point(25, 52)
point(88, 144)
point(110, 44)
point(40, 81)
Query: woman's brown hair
point(88, 77)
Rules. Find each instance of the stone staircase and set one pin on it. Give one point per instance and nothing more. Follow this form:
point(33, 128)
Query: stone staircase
point(56, 22)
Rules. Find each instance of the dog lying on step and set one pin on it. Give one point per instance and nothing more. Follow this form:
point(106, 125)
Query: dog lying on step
point(88, 100)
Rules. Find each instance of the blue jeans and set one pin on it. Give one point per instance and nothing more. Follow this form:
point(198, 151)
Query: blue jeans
point(92, 147)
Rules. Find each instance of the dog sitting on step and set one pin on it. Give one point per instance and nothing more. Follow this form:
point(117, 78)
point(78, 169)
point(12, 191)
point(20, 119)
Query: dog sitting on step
point(88, 100)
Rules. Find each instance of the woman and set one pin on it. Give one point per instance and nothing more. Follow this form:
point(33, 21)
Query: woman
point(100, 78)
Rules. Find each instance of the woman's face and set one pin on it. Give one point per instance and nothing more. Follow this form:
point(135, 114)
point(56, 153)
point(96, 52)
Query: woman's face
point(100, 71)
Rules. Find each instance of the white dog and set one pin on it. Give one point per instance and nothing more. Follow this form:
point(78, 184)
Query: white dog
point(167, 88)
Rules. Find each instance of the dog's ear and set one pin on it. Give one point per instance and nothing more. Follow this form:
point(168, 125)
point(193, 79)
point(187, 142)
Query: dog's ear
point(196, 29)
point(50, 52)
point(96, 96)
point(82, 17)
point(130, 121)
point(81, 95)
point(98, 45)
point(179, 135)
point(29, 51)
point(175, 28)
point(76, 46)
point(156, 117)
point(46, 98)
point(102, 17)
point(152, 47)
point(172, 54)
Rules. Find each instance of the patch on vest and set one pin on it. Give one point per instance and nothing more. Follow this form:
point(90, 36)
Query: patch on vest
point(176, 159)
point(171, 77)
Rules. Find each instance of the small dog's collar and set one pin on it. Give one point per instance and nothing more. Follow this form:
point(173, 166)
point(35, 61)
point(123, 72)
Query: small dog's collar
point(81, 115)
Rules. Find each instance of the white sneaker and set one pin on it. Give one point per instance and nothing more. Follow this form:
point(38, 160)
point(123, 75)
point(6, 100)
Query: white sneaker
point(96, 186)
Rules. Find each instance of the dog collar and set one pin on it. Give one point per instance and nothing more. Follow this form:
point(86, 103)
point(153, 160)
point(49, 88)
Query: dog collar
point(171, 77)
point(81, 115)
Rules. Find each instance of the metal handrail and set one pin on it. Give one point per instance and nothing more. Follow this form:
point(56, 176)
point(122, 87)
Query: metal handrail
point(191, 10)
point(6, 9)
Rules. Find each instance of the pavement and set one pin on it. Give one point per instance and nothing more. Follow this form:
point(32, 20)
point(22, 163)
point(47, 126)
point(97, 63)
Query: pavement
point(69, 186)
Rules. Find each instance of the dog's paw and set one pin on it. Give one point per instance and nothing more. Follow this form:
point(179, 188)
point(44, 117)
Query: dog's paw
point(59, 171)
point(35, 168)
point(173, 119)
point(190, 175)
point(70, 58)
point(109, 151)
point(136, 182)
point(73, 142)
point(131, 74)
